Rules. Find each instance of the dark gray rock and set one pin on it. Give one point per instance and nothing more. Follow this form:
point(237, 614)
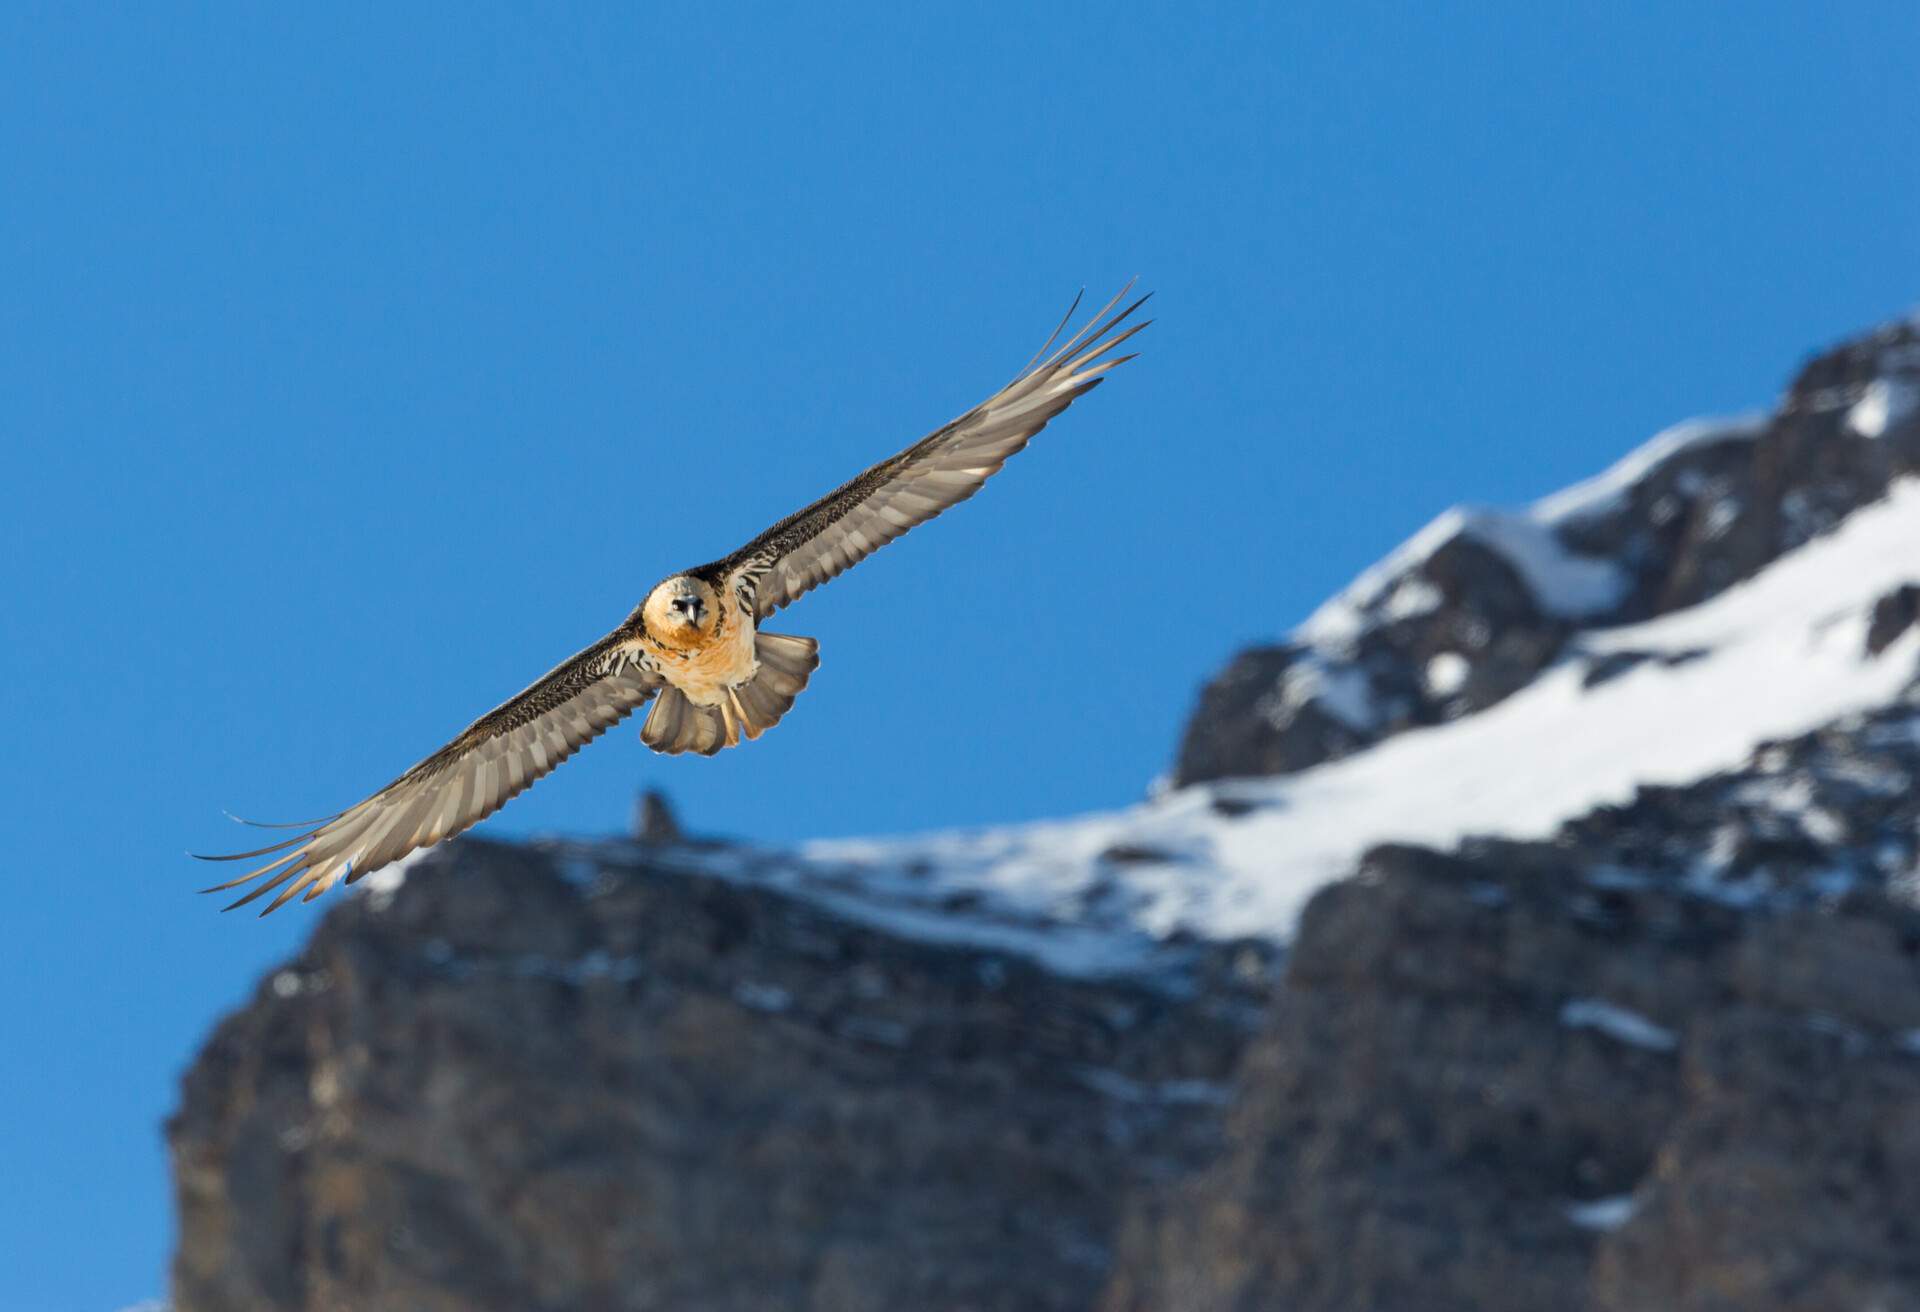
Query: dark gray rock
point(1243, 728)
point(1465, 1059)
point(1414, 1126)
point(1699, 1010)
point(1893, 615)
point(654, 822)
point(503, 1087)
point(1790, 1182)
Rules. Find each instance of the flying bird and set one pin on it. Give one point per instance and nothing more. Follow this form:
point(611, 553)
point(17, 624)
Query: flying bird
point(694, 646)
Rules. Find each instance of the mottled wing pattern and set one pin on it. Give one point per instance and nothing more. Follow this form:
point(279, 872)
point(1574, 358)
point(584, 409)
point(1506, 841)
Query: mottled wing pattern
point(941, 470)
point(496, 758)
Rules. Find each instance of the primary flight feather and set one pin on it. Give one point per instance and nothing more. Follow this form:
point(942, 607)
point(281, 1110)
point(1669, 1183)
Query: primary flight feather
point(694, 646)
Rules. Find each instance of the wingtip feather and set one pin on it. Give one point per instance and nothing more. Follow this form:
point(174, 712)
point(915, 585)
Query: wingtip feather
point(258, 851)
point(1100, 348)
point(252, 874)
point(265, 888)
point(270, 824)
point(1092, 340)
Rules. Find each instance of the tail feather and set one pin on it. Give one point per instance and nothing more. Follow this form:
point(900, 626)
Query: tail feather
point(676, 725)
point(786, 663)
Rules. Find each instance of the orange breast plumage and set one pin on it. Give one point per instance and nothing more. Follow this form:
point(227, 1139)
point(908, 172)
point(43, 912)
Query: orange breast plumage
point(726, 660)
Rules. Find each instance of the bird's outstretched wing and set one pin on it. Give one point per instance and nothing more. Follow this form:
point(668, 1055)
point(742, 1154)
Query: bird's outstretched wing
point(494, 759)
point(942, 469)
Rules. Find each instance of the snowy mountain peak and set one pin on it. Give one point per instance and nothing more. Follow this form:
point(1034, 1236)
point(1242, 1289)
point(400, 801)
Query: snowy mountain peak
point(1476, 605)
point(1561, 578)
point(1841, 379)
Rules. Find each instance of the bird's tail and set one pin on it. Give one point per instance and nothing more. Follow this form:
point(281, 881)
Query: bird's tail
point(677, 725)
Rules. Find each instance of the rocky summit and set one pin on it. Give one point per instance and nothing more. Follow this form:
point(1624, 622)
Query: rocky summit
point(1537, 925)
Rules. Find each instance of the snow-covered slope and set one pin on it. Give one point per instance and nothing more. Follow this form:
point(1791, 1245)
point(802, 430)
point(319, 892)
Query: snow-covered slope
point(1777, 656)
point(1663, 702)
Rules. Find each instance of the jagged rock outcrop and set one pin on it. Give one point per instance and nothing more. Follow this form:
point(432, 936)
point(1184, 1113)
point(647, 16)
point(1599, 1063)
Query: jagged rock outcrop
point(514, 1083)
point(1481, 601)
point(1232, 733)
point(1489, 1087)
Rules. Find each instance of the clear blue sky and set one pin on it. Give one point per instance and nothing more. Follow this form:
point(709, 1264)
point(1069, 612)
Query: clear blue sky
point(354, 369)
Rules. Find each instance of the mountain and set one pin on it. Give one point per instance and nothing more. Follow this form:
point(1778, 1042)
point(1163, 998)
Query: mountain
point(1535, 926)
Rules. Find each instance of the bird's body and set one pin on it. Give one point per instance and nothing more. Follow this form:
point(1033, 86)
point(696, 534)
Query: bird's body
point(724, 680)
point(704, 661)
point(694, 646)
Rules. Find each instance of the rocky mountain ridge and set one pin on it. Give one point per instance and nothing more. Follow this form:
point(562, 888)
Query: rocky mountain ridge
point(1669, 1059)
point(1651, 1041)
point(1480, 602)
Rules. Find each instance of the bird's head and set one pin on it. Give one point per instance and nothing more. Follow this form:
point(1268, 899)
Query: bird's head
point(682, 612)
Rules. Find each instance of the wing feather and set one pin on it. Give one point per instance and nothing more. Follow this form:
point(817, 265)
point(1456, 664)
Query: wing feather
point(939, 471)
point(495, 759)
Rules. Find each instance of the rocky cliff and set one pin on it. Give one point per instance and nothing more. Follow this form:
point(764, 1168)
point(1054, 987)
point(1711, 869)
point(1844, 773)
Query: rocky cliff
point(1669, 1060)
point(1638, 1026)
point(534, 1078)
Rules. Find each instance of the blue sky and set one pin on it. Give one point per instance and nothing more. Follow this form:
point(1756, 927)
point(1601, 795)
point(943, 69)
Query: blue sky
point(355, 368)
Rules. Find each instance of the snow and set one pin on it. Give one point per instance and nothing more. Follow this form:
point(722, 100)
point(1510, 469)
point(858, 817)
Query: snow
point(1776, 656)
point(1784, 653)
point(1721, 516)
point(382, 884)
point(1120, 1088)
point(1413, 598)
point(885, 884)
point(762, 997)
point(1563, 582)
point(1628, 1027)
point(1602, 1213)
point(1446, 673)
point(1341, 690)
point(1604, 491)
point(1793, 798)
point(1884, 404)
point(1339, 620)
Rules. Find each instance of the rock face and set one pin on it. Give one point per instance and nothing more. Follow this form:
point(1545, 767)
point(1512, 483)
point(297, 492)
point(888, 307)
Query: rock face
point(504, 1086)
point(1481, 601)
point(1666, 1058)
point(1669, 1060)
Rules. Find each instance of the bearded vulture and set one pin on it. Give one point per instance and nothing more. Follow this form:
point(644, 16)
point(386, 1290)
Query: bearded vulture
point(694, 646)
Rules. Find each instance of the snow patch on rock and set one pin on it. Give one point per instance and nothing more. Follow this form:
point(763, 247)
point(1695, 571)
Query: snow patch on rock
point(1886, 403)
point(1602, 1213)
point(1563, 582)
point(1617, 1023)
point(1605, 491)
